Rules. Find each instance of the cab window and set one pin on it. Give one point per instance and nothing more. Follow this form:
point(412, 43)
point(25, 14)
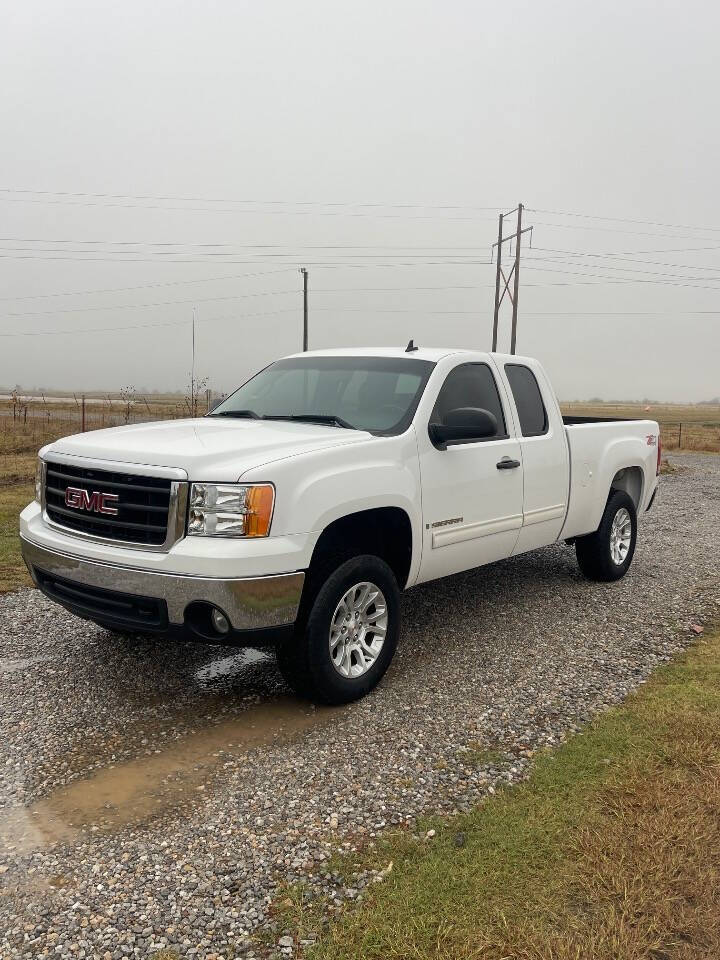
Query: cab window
point(470, 385)
point(528, 400)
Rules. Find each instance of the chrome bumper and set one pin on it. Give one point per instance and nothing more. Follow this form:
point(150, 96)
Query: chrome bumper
point(250, 603)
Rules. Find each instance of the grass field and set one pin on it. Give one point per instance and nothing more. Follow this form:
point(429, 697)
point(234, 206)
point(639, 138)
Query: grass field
point(688, 426)
point(611, 851)
point(684, 426)
point(17, 474)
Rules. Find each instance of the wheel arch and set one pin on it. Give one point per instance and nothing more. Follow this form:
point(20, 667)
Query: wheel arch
point(385, 532)
point(631, 480)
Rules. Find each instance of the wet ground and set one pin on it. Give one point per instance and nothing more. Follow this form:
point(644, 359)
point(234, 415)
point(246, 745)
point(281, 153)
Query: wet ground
point(156, 794)
point(208, 706)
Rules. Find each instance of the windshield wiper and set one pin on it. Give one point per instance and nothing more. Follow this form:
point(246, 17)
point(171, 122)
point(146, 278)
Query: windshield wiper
point(249, 414)
point(328, 418)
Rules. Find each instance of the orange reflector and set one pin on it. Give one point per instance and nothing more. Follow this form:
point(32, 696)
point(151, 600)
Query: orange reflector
point(260, 502)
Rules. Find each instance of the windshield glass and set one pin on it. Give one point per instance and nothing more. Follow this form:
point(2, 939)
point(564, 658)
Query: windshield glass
point(378, 394)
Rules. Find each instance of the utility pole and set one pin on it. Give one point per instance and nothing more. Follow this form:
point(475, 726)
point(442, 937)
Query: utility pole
point(513, 275)
point(304, 273)
point(192, 370)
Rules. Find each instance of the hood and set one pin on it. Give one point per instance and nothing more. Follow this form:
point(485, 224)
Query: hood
point(208, 448)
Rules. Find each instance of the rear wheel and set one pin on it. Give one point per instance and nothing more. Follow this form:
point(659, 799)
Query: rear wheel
point(350, 634)
point(606, 555)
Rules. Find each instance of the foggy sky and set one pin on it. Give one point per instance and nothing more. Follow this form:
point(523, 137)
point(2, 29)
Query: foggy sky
point(605, 108)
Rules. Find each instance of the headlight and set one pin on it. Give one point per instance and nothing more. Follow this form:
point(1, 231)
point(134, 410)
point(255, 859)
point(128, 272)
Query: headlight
point(230, 509)
point(39, 476)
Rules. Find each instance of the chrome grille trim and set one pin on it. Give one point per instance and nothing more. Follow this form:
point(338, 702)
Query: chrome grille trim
point(177, 500)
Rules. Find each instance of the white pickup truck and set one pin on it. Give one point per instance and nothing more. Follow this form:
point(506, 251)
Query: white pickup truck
point(297, 510)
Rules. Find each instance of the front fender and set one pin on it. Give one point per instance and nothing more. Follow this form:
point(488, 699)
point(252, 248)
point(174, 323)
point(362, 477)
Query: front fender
point(315, 489)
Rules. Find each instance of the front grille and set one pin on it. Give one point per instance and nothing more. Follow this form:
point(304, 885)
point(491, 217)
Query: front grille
point(109, 606)
point(142, 503)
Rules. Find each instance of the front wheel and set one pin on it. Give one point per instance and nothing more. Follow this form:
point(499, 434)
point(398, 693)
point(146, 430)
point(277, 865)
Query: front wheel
point(606, 555)
point(350, 634)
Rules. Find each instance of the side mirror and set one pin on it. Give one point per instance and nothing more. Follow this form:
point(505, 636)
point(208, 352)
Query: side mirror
point(462, 424)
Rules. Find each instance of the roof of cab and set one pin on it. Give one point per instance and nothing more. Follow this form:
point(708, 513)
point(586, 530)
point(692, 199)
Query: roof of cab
point(421, 353)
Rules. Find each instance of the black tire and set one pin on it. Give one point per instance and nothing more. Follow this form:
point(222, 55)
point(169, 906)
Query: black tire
point(305, 660)
point(594, 554)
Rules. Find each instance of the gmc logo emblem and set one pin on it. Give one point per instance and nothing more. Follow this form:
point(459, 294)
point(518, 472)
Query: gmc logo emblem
point(78, 499)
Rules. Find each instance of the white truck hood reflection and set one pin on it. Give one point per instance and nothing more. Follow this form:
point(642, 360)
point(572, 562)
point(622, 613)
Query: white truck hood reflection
point(208, 448)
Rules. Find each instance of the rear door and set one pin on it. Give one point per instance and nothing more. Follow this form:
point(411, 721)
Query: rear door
point(544, 453)
point(472, 510)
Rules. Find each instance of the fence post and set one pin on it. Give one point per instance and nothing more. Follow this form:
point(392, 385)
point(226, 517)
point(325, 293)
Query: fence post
point(82, 428)
point(680, 437)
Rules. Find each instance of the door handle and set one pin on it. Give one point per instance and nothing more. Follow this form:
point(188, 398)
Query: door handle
point(507, 464)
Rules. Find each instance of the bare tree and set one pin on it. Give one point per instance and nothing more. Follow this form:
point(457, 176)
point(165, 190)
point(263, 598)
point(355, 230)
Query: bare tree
point(127, 395)
point(20, 405)
point(193, 392)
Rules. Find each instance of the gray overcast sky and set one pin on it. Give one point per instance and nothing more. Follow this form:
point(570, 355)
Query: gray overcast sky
point(604, 108)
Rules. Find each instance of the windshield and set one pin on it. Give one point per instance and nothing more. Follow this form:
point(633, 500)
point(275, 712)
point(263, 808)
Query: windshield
point(377, 394)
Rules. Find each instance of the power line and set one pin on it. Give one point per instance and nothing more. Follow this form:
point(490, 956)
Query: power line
point(647, 223)
point(608, 266)
point(255, 262)
point(339, 290)
point(670, 283)
point(147, 286)
point(26, 195)
point(636, 233)
point(338, 208)
point(241, 276)
point(624, 313)
point(245, 246)
point(319, 290)
point(315, 208)
point(143, 306)
point(628, 259)
point(300, 203)
point(418, 259)
point(549, 313)
point(144, 326)
point(258, 212)
point(291, 254)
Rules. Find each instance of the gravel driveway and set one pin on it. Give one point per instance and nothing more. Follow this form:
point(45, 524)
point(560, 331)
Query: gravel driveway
point(154, 795)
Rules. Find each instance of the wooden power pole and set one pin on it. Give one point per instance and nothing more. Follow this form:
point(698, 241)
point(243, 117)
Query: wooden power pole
point(513, 275)
point(304, 273)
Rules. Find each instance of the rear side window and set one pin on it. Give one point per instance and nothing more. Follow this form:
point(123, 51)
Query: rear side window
point(528, 400)
point(470, 385)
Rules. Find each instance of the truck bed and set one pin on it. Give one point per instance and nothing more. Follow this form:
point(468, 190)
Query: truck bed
point(600, 448)
point(577, 421)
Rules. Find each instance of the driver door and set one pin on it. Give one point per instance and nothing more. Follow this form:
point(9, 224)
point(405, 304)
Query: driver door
point(472, 492)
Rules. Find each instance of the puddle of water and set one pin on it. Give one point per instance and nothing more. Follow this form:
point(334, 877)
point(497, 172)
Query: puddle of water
point(229, 667)
point(139, 790)
point(8, 665)
point(23, 829)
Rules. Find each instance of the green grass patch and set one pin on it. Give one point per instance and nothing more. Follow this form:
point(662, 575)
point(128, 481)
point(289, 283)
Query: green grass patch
point(611, 850)
point(13, 498)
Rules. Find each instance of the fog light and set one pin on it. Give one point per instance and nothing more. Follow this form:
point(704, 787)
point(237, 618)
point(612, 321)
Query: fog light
point(219, 621)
